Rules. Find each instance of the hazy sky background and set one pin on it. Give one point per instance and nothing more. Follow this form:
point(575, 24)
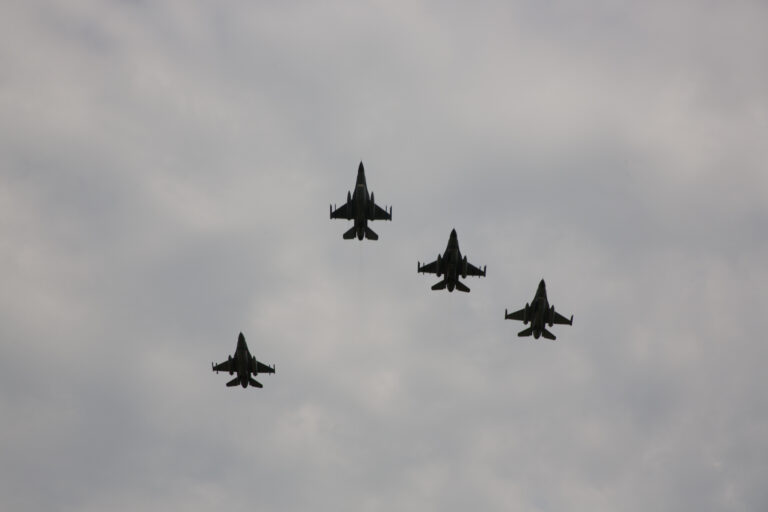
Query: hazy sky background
point(165, 175)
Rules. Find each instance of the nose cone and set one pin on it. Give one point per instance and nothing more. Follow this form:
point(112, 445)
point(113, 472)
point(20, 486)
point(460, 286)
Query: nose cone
point(360, 169)
point(542, 284)
point(453, 233)
point(241, 338)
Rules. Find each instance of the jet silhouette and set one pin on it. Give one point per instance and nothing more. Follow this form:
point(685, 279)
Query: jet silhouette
point(452, 266)
point(361, 208)
point(538, 313)
point(244, 364)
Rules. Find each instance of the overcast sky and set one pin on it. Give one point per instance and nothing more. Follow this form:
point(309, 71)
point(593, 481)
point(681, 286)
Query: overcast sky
point(165, 175)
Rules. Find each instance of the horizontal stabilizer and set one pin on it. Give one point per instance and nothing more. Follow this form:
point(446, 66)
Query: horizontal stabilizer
point(526, 332)
point(255, 383)
point(234, 382)
point(461, 286)
point(349, 235)
point(440, 286)
point(370, 235)
point(548, 335)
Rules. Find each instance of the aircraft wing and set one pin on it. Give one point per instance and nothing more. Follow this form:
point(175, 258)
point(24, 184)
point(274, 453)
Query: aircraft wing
point(517, 315)
point(474, 271)
point(345, 211)
point(560, 319)
point(226, 366)
point(429, 268)
point(263, 368)
point(380, 213)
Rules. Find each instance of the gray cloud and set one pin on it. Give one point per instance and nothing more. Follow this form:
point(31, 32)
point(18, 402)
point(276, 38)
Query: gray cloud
point(165, 174)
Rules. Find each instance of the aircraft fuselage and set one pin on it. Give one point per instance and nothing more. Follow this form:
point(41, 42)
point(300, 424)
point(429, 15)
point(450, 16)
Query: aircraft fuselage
point(360, 199)
point(539, 310)
point(451, 262)
point(243, 358)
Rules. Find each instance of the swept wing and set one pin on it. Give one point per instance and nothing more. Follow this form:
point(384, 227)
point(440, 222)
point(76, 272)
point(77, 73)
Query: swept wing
point(560, 319)
point(226, 366)
point(380, 213)
point(345, 211)
point(475, 271)
point(429, 268)
point(263, 368)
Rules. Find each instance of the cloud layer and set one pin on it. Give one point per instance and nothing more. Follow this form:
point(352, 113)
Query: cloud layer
point(165, 171)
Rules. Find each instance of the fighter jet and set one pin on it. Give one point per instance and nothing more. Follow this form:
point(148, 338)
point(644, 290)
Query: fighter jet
point(361, 208)
point(452, 266)
point(539, 313)
point(244, 364)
